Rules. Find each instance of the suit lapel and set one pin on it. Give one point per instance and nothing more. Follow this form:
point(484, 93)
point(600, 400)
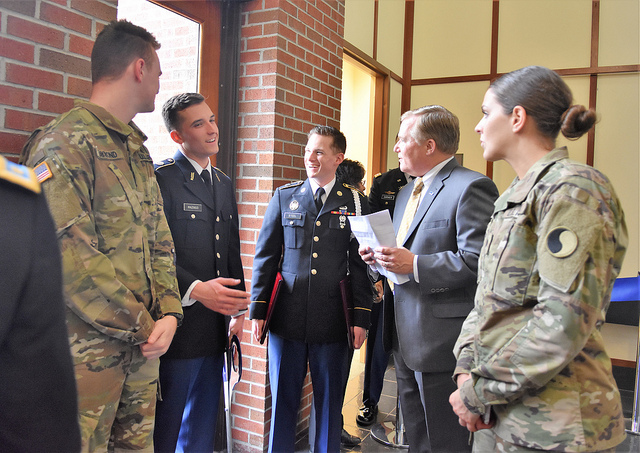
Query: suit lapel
point(427, 200)
point(192, 180)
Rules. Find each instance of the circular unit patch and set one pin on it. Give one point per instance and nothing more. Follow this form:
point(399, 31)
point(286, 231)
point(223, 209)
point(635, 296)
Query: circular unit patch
point(562, 242)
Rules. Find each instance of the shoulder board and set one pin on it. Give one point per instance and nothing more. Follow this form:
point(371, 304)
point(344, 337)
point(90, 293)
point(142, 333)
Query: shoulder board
point(349, 186)
point(292, 184)
point(19, 175)
point(376, 175)
point(218, 170)
point(165, 163)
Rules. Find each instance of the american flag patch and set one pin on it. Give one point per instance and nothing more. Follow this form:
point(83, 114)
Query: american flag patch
point(42, 172)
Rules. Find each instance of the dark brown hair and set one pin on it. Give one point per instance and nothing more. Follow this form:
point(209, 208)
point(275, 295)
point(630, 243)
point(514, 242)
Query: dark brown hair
point(546, 98)
point(350, 172)
point(177, 104)
point(117, 45)
point(339, 140)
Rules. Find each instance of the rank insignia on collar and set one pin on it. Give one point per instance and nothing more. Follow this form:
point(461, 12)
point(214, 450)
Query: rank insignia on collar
point(294, 205)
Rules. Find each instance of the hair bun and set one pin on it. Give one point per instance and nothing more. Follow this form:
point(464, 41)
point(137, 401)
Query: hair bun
point(576, 121)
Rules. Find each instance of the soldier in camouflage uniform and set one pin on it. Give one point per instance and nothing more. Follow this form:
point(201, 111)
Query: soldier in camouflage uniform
point(531, 360)
point(117, 251)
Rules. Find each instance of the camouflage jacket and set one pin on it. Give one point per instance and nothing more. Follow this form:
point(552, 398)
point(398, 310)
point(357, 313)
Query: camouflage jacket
point(117, 250)
point(532, 344)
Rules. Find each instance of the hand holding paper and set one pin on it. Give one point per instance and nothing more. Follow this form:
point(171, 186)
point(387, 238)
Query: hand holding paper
point(376, 230)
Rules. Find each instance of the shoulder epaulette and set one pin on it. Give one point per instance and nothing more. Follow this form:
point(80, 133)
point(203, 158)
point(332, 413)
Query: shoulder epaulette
point(292, 184)
point(165, 163)
point(218, 170)
point(19, 175)
point(349, 186)
point(376, 175)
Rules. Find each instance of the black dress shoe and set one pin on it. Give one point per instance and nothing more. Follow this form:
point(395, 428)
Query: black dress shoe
point(367, 415)
point(347, 440)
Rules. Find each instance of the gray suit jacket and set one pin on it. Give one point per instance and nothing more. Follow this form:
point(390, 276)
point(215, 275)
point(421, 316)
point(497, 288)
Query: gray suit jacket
point(447, 234)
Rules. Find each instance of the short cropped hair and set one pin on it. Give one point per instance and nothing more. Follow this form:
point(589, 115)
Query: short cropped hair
point(117, 45)
point(339, 140)
point(437, 123)
point(350, 172)
point(177, 104)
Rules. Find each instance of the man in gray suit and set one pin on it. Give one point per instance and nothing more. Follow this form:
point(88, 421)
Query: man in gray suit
point(440, 219)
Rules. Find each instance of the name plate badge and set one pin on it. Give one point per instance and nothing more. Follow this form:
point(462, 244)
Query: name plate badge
point(192, 207)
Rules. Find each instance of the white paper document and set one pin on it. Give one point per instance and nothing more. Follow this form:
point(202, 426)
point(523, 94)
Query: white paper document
point(376, 230)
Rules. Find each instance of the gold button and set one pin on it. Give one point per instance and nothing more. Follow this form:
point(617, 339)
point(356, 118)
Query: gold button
point(316, 238)
point(193, 216)
point(217, 218)
point(318, 223)
point(217, 237)
point(218, 255)
point(342, 226)
point(315, 255)
point(218, 272)
point(290, 222)
point(314, 272)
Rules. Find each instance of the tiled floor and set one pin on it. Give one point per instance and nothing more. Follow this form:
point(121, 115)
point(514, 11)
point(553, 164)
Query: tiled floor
point(387, 408)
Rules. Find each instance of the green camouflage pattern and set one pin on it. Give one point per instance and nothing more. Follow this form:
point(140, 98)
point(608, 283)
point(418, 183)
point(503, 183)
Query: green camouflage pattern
point(118, 389)
point(532, 343)
point(117, 250)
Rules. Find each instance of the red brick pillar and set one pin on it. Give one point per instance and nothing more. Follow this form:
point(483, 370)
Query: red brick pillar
point(46, 48)
point(291, 76)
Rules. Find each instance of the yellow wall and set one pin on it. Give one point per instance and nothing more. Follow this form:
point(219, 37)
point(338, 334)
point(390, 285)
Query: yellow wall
point(451, 38)
point(391, 34)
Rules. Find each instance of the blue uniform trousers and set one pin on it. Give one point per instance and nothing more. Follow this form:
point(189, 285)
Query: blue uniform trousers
point(287, 370)
point(187, 415)
point(376, 361)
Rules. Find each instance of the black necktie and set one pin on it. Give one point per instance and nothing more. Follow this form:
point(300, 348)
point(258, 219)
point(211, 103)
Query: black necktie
point(319, 194)
point(206, 177)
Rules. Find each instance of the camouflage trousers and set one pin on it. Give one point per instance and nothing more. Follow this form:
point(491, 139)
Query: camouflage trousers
point(117, 391)
point(485, 441)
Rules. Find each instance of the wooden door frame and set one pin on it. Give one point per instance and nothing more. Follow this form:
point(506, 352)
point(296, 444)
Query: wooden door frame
point(219, 66)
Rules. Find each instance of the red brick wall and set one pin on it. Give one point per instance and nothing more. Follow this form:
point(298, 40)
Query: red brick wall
point(291, 71)
point(45, 46)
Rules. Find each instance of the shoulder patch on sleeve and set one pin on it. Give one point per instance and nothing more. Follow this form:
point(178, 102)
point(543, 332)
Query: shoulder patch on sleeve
point(165, 163)
point(19, 175)
point(565, 245)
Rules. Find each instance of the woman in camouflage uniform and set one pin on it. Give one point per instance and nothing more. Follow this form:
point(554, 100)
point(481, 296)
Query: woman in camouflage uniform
point(532, 371)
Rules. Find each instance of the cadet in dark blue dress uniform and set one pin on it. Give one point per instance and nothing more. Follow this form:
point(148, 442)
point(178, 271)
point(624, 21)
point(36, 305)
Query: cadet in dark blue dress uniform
point(201, 210)
point(38, 400)
point(316, 250)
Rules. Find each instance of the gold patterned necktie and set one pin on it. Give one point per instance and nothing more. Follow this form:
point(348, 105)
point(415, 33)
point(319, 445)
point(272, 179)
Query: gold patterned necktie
point(409, 211)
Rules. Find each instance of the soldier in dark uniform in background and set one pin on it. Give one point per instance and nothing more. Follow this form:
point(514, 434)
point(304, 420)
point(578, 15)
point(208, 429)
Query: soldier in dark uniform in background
point(383, 194)
point(316, 249)
point(203, 218)
point(39, 408)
